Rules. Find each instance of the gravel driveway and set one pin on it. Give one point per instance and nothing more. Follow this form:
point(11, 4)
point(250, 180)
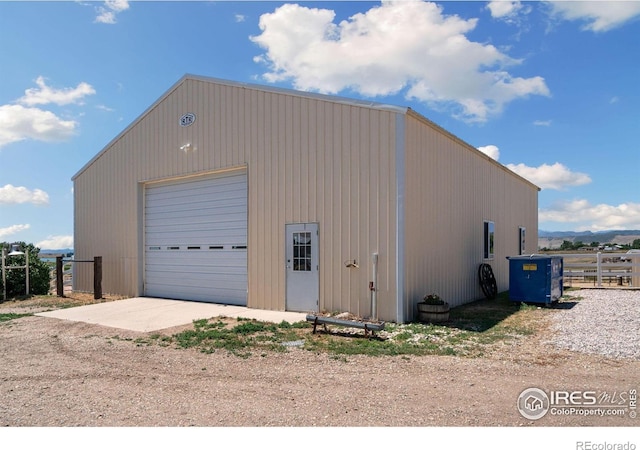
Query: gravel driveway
point(68, 374)
point(601, 322)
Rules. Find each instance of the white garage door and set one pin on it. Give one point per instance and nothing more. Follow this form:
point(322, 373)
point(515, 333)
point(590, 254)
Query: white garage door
point(196, 239)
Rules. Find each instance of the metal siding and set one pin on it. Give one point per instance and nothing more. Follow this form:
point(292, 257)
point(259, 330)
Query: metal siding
point(308, 159)
point(451, 189)
point(307, 175)
point(400, 217)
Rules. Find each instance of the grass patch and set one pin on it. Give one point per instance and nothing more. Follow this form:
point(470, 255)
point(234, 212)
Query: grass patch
point(10, 316)
point(237, 336)
point(472, 331)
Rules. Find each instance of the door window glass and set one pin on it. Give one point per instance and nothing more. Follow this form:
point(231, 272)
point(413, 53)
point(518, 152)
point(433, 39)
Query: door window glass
point(302, 251)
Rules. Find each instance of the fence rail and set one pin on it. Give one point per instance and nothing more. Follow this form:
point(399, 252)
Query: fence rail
point(64, 277)
point(620, 268)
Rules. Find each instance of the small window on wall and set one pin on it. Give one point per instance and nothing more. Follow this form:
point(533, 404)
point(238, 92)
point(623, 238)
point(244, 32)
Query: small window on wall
point(489, 231)
point(522, 232)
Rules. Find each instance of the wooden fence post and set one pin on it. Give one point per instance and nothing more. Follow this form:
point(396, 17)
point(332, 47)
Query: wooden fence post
point(59, 277)
point(97, 277)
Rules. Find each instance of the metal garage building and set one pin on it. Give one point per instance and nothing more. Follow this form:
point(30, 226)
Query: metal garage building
point(276, 199)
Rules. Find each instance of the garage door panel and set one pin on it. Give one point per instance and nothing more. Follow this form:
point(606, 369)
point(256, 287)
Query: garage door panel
point(197, 235)
point(230, 266)
point(196, 257)
point(196, 238)
point(201, 232)
point(175, 215)
point(196, 271)
point(195, 207)
point(218, 281)
point(210, 229)
point(180, 187)
point(220, 237)
point(229, 196)
point(226, 238)
point(225, 296)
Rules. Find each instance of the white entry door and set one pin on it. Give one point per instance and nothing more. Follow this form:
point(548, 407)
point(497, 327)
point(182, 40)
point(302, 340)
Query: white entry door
point(303, 281)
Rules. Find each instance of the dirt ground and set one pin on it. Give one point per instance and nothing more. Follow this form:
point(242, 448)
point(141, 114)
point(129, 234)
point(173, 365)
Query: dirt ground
point(58, 373)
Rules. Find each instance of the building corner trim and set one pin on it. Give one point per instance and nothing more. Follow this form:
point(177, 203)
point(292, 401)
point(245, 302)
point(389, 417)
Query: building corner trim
point(400, 217)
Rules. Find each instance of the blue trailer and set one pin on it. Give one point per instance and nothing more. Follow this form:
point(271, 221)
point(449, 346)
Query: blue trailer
point(536, 279)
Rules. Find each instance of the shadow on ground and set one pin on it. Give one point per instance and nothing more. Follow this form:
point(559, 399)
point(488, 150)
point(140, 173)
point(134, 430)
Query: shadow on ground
point(482, 315)
point(485, 314)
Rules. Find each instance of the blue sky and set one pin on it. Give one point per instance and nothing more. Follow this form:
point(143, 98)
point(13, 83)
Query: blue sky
point(548, 89)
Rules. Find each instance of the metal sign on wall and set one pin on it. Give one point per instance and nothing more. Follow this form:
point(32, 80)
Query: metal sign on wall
point(187, 119)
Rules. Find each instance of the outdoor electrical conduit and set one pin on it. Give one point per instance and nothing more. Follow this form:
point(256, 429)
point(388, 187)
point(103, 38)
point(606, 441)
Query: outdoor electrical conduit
point(374, 286)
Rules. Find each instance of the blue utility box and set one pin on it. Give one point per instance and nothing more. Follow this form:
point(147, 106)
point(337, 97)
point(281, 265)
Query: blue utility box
point(535, 279)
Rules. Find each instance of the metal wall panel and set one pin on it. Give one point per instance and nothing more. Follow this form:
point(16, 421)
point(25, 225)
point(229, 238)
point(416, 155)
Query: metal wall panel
point(451, 189)
point(309, 158)
point(309, 169)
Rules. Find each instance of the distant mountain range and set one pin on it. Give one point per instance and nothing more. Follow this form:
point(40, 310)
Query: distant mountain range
point(542, 233)
point(553, 239)
point(63, 251)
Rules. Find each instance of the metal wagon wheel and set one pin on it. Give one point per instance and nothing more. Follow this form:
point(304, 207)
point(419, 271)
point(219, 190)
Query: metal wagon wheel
point(487, 281)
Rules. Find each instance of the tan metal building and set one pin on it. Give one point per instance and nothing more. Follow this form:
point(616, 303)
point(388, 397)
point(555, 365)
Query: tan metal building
point(277, 199)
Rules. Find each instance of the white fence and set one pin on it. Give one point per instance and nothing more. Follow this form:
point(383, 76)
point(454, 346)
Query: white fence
point(601, 269)
point(67, 276)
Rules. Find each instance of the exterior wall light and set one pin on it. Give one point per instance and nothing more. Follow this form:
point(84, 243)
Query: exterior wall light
point(15, 251)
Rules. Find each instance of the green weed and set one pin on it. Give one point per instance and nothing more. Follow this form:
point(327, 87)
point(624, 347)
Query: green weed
point(5, 317)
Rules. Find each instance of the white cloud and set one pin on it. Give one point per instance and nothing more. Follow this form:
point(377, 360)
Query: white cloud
point(107, 13)
point(401, 45)
point(11, 195)
point(491, 151)
point(594, 217)
point(502, 8)
point(240, 18)
point(56, 242)
point(556, 176)
point(13, 229)
point(18, 123)
point(542, 123)
point(599, 15)
point(23, 121)
point(117, 5)
point(105, 16)
point(105, 108)
point(43, 94)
